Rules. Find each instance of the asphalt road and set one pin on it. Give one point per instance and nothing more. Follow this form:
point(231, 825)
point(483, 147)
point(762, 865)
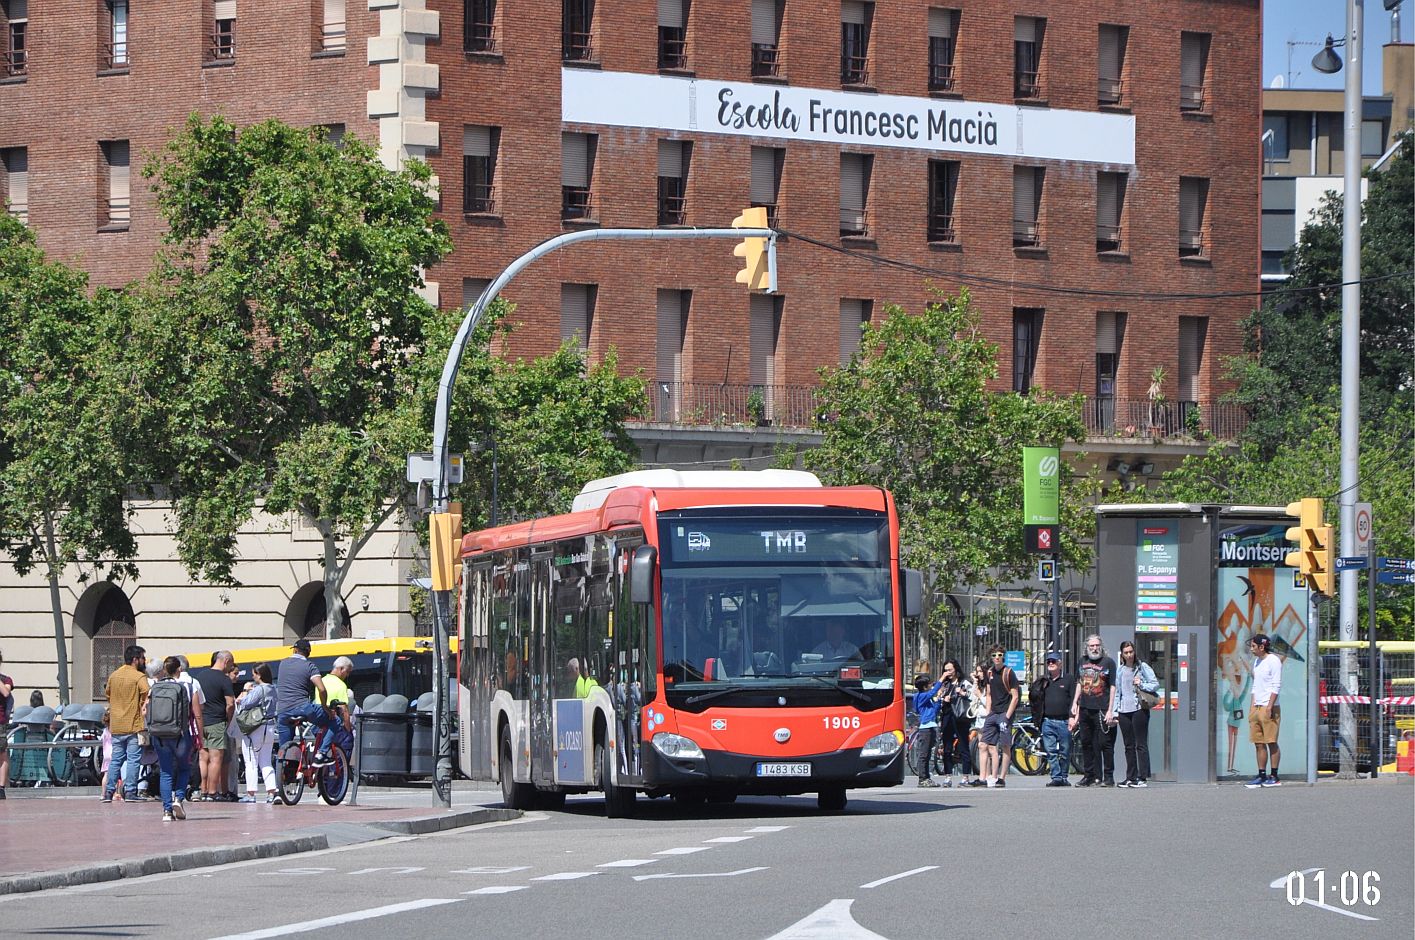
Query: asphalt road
point(1192, 861)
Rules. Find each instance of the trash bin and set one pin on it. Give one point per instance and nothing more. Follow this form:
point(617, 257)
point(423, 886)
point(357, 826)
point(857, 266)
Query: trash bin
point(384, 750)
point(424, 742)
point(371, 701)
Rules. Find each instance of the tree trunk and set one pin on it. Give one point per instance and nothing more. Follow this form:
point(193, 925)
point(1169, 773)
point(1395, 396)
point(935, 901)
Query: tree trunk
point(333, 602)
point(51, 564)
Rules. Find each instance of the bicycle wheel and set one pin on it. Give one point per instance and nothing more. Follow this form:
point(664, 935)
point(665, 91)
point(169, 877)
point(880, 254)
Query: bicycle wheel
point(63, 765)
point(1027, 754)
point(911, 753)
point(288, 774)
point(334, 777)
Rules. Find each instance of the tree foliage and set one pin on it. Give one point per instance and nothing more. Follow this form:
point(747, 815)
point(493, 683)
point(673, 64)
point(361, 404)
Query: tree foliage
point(912, 411)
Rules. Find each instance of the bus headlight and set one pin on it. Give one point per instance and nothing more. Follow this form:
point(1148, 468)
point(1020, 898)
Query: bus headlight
point(676, 747)
point(883, 745)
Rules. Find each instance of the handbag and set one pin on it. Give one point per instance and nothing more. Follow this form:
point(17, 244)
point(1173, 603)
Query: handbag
point(251, 717)
point(1146, 698)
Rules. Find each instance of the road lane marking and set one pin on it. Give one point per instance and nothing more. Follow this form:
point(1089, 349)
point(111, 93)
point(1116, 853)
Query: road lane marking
point(338, 919)
point(488, 870)
point(498, 889)
point(297, 871)
point(768, 828)
point(627, 863)
point(1282, 883)
point(685, 850)
point(710, 874)
point(400, 870)
point(567, 875)
point(902, 874)
point(832, 922)
point(729, 839)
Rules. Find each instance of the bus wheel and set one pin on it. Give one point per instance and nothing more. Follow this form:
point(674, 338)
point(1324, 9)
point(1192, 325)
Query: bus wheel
point(514, 795)
point(618, 801)
point(831, 800)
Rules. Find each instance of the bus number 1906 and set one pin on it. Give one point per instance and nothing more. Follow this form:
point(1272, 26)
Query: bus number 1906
point(838, 722)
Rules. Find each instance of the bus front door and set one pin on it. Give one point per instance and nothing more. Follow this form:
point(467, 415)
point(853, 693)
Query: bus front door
point(542, 674)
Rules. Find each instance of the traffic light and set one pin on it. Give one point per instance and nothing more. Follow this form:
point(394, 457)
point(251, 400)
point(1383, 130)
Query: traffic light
point(755, 274)
point(1313, 557)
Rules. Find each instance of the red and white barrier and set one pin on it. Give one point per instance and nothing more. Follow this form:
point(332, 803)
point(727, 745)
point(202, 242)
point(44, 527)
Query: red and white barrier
point(1366, 700)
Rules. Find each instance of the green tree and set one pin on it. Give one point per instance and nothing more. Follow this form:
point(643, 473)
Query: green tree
point(63, 456)
point(912, 412)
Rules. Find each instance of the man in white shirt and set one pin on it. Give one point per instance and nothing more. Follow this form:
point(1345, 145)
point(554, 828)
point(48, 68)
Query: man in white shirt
point(1263, 713)
point(835, 645)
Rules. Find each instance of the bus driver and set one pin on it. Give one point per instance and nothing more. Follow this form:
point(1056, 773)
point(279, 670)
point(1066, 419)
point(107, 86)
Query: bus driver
point(835, 645)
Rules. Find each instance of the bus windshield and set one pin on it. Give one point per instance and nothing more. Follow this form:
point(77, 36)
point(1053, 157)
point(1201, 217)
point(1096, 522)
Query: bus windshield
point(797, 601)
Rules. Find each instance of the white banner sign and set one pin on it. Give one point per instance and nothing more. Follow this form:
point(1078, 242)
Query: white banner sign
point(625, 99)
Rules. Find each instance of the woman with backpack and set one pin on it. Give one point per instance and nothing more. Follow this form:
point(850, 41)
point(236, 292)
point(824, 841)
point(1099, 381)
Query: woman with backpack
point(168, 723)
point(954, 723)
point(255, 723)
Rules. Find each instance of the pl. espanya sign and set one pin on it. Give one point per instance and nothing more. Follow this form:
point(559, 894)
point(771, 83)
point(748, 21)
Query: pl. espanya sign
point(625, 99)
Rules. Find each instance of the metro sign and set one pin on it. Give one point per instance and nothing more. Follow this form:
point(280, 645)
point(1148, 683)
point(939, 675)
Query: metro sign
point(1041, 539)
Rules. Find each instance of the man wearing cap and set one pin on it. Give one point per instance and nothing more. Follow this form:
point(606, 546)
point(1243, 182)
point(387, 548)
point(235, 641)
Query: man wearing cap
point(1263, 714)
point(293, 699)
point(1057, 691)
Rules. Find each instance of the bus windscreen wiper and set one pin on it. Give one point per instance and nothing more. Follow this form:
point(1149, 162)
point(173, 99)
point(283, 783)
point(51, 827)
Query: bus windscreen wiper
point(853, 693)
point(719, 693)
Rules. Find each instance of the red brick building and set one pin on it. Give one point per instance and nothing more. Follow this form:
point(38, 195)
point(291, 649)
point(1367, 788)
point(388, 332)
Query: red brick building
point(1027, 150)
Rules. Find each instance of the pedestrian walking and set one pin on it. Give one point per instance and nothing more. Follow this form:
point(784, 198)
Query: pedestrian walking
point(1053, 708)
point(926, 705)
point(954, 723)
point(1264, 716)
point(1134, 676)
point(126, 691)
point(1094, 710)
point(168, 723)
point(257, 701)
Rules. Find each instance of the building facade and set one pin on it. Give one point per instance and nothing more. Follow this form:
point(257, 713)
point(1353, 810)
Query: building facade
point(1089, 171)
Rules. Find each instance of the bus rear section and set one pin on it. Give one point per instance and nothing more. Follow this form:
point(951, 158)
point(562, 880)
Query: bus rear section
point(688, 641)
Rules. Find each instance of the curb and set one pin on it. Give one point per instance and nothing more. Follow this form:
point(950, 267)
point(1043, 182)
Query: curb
point(244, 852)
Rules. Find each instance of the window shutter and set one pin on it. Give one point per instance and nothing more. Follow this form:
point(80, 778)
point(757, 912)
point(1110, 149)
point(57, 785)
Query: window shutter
point(120, 21)
point(1106, 328)
point(940, 23)
point(670, 158)
point(1024, 29)
point(574, 313)
point(763, 188)
point(1024, 194)
point(476, 140)
point(224, 10)
point(1109, 67)
point(118, 172)
point(852, 182)
point(1191, 204)
point(852, 315)
point(1191, 355)
point(852, 11)
point(17, 168)
point(472, 288)
point(670, 13)
point(575, 160)
point(763, 339)
point(1108, 198)
point(1191, 68)
point(18, 9)
point(670, 335)
point(764, 22)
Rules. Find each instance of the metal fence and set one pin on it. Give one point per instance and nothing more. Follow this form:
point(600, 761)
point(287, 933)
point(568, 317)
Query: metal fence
point(1002, 622)
point(1395, 698)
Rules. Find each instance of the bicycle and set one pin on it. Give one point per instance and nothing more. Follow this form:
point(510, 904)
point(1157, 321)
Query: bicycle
point(295, 768)
point(1029, 754)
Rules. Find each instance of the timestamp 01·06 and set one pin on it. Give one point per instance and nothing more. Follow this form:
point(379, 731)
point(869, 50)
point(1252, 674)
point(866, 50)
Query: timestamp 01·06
point(1348, 889)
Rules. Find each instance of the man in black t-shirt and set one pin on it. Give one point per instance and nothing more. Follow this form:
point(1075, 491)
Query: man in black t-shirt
point(1093, 708)
point(216, 710)
point(995, 742)
point(1053, 713)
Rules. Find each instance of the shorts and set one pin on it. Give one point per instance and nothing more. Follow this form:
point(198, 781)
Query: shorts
point(213, 736)
point(1263, 721)
point(4, 738)
point(997, 729)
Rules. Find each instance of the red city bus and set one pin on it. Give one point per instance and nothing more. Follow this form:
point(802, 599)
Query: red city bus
point(694, 634)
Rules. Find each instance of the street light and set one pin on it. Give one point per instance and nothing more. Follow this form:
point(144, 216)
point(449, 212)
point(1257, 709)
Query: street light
point(1327, 61)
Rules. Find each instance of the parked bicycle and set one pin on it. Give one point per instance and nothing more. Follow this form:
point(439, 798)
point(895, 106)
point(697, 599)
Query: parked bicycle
point(1029, 754)
point(295, 768)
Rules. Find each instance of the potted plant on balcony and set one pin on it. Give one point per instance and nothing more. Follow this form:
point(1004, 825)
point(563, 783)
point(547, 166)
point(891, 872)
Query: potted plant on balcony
point(1157, 402)
point(756, 408)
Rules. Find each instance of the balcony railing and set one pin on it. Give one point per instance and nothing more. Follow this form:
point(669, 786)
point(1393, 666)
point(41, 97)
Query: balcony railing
point(1025, 85)
point(479, 199)
point(576, 47)
point(1191, 97)
point(672, 48)
point(766, 60)
point(332, 37)
point(854, 70)
point(854, 223)
point(1142, 418)
point(1024, 233)
point(119, 212)
point(942, 76)
point(115, 55)
point(941, 228)
point(670, 209)
point(1107, 237)
point(1191, 244)
point(15, 61)
point(479, 37)
point(222, 45)
point(1108, 91)
point(575, 203)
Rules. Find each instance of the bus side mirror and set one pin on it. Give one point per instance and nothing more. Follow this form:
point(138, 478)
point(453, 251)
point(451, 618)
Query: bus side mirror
point(641, 574)
point(913, 588)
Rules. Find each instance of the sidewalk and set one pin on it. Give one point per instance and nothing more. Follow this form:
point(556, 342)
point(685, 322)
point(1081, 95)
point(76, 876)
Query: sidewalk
point(59, 837)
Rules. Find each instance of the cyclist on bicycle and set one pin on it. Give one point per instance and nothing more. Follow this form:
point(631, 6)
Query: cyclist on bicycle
point(293, 698)
point(341, 722)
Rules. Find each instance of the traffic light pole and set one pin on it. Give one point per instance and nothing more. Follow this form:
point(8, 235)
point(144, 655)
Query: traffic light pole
point(442, 595)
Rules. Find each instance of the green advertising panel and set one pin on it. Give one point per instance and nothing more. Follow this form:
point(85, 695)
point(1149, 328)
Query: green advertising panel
point(1041, 485)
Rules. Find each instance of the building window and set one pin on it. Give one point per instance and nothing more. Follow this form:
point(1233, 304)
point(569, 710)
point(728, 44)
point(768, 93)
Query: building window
point(1027, 35)
point(222, 45)
point(479, 25)
point(577, 303)
point(943, 189)
point(576, 24)
point(1193, 65)
point(14, 53)
point(330, 33)
point(1193, 203)
point(1279, 226)
point(855, 20)
point(1026, 340)
point(855, 194)
point(765, 333)
point(334, 133)
point(854, 314)
point(14, 193)
point(943, 32)
point(766, 37)
point(673, 306)
point(577, 153)
point(1276, 144)
point(1373, 138)
point(1110, 335)
point(1192, 333)
point(766, 178)
point(479, 147)
point(673, 159)
point(673, 34)
point(117, 211)
point(1110, 210)
point(1110, 65)
point(113, 35)
point(472, 288)
point(1027, 206)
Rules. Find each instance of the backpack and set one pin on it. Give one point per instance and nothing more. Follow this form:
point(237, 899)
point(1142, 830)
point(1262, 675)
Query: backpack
point(169, 710)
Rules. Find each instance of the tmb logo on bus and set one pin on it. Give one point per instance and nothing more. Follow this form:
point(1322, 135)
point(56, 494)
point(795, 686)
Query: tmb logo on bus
point(780, 543)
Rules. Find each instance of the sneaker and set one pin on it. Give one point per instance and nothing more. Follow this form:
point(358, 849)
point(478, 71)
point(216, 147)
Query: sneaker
point(270, 799)
point(1108, 783)
point(1057, 783)
point(248, 798)
point(1255, 782)
point(323, 759)
point(1138, 784)
point(179, 810)
point(167, 816)
point(138, 798)
point(1002, 782)
point(1272, 782)
point(947, 782)
point(107, 798)
point(927, 782)
point(1086, 782)
point(1123, 783)
point(2, 793)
